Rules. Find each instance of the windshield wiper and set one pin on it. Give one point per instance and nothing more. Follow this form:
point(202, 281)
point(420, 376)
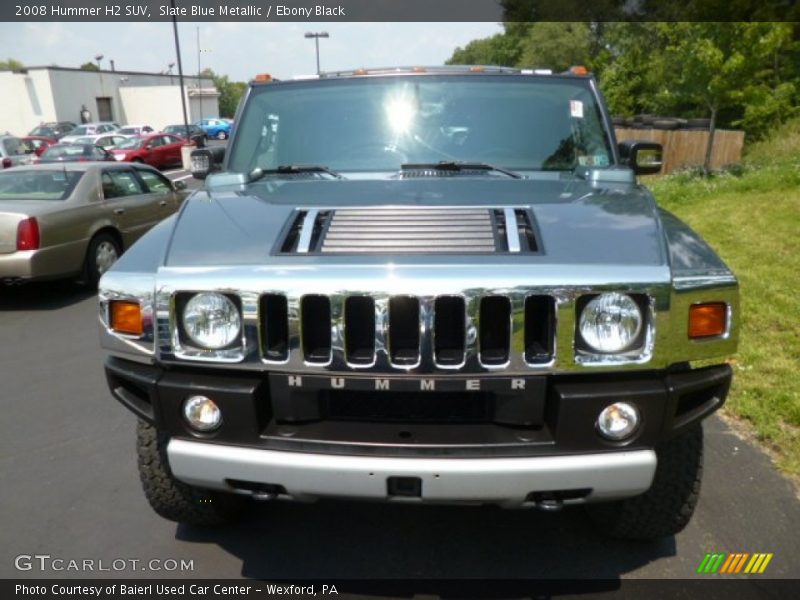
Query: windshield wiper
point(458, 166)
point(258, 172)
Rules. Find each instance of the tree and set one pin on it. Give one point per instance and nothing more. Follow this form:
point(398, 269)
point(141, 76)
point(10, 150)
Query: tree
point(230, 92)
point(89, 66)
point(716, 66)
point(740, 74)
point(557, 45)
point(501, 49)
point(11, 64)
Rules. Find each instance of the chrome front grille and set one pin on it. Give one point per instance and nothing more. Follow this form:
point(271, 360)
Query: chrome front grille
point(405, 332)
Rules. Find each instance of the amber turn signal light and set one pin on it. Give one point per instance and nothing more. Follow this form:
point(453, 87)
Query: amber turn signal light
point(708, 320)
point(126, 317)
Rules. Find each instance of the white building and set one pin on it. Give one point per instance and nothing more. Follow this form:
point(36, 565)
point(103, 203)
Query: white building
point(34, 95)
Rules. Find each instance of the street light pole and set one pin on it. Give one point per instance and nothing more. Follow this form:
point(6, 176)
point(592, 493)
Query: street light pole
point(199, 79)
point(316, 36)
point(180, 67)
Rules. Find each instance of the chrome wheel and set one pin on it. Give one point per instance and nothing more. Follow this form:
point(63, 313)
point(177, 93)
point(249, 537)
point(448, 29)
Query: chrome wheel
point(221, 135)
point(105, 255)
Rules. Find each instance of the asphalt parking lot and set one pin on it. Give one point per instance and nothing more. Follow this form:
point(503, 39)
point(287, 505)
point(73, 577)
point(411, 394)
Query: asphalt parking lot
point(70, 489)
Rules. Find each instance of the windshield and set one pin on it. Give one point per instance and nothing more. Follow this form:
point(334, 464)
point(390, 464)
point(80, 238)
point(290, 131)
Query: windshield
point(38, 184)
point(129, 130)
point(81, 130)
point(378, 124)
point(131, 143)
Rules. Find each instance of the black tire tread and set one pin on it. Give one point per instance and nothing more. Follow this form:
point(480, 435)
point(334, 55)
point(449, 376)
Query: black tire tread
point(173, 499)
point(667, 507)
point(90, 275)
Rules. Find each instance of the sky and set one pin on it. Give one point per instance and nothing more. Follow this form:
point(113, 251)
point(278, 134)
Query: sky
point(239, 50)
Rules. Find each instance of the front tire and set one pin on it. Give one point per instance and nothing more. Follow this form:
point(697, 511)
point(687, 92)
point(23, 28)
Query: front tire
point(173, 499)
point(666, 508)
point(222, 135)
point(104, 250)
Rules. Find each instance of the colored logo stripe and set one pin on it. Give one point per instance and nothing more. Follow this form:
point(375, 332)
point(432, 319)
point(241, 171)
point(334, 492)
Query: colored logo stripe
point(722, 563)
point(711, 563)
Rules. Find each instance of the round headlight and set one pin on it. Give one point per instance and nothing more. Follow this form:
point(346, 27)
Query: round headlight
point(610, 322)
point(618, 421)
point(211, 320)
point(202, 413)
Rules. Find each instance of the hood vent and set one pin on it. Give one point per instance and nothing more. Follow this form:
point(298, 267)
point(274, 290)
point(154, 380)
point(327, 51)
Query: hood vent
point(411, 230)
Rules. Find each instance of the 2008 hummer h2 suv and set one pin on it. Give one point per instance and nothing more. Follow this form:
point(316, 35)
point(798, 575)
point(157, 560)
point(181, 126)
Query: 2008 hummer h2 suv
point(433, 285)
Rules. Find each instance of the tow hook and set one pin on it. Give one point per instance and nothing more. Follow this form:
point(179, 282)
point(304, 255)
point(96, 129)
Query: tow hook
point(550, 504)
point(264, 496)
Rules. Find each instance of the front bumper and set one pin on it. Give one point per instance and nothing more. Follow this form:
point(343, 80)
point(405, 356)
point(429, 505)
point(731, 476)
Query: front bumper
point(505, 481)
point(275, 443)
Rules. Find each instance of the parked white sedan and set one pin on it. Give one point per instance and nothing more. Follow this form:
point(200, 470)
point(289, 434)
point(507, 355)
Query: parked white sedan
point(104, 140)
point(135, 130)
point(89, 129)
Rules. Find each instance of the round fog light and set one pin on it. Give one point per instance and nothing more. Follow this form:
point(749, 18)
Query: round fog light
point(618, 421)
point(201, 413)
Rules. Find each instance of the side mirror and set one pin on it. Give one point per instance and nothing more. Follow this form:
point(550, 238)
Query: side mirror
point(179, 186)
point(206, 161)
point(645, 158)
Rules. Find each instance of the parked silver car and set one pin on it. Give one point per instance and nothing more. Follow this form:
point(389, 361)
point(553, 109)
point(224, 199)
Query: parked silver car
point(13, 152)
point(104, 140)
point(89, 129)
point(75, 219)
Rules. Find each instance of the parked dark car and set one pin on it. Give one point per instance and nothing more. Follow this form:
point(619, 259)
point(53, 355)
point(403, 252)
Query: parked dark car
point(75, 153)
point(159, 150)
point(180, 131)
point(55, 130)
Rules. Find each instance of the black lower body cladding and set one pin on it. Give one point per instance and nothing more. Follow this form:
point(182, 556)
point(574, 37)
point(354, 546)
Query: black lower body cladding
point(424, 416)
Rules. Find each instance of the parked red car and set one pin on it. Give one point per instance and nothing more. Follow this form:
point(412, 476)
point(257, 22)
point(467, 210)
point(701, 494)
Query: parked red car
point(38, 143)
point(159, 150)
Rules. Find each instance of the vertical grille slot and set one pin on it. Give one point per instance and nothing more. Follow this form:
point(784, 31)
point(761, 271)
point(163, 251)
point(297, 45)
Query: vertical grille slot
point(494, 336)
point(540, 318)
point(449, 330)
point(274, 312)
point(359, 329)
point(315, 326)
point(404, 330)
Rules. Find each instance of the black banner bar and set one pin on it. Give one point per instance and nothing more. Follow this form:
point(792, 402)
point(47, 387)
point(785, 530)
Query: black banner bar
point(709, 588)
point(399, 10)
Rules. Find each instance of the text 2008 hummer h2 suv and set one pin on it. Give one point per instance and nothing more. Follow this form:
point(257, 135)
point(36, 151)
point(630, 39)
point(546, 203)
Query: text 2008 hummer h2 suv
point(432, 285)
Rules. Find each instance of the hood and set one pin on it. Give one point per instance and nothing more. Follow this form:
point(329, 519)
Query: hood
point(577, 223)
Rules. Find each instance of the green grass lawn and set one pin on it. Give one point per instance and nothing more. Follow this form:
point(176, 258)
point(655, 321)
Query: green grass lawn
point(752, 219)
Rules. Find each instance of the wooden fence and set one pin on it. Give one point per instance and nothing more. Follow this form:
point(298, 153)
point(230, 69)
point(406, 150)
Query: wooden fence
point(687, 147)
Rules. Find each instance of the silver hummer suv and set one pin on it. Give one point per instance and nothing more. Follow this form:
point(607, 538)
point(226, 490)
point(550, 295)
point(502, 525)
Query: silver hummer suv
point(427, 285)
